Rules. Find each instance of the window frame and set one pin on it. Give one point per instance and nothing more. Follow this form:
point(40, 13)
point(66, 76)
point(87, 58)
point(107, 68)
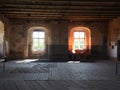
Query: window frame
point(79, 38)
point(38, 51)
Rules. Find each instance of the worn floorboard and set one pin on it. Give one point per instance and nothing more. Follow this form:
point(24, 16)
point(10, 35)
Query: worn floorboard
point(59, 76)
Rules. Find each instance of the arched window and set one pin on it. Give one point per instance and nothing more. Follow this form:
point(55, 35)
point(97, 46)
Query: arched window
point(36, 41)
point(79, 39)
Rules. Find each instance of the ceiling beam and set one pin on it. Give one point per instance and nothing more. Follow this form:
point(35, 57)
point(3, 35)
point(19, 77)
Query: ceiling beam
point(64, 13)
point(63, 18)
point(79, 6)
point(60, 9)
point(49, 13)
point(58, 1)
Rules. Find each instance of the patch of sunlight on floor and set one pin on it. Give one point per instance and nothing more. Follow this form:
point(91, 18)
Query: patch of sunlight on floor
point(27, 61)
point(73, 62)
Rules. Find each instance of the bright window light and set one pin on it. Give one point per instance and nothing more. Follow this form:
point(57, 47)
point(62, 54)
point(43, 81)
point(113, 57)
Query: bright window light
point(79, 40)
point(38, 39)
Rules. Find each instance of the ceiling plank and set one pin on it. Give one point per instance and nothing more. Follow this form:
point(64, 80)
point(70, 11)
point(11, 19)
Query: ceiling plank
point(55, 9)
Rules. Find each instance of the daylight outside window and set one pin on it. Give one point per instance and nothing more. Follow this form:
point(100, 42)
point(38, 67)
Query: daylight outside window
point(38, 41)
point(79, 40)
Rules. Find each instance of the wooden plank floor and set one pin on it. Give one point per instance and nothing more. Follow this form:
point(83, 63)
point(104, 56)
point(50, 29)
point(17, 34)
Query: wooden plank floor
point(59, 71)
point(59, 76)
point(59, 85)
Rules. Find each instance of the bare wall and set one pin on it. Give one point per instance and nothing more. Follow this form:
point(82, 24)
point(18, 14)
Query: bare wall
point(57, 42)
point(113, 36)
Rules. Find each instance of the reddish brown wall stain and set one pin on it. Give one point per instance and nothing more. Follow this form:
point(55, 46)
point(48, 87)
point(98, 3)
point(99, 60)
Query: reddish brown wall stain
point(57, 44)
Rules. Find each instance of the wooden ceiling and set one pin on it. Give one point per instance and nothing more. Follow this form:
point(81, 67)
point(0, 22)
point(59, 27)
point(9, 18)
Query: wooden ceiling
point(60, 9)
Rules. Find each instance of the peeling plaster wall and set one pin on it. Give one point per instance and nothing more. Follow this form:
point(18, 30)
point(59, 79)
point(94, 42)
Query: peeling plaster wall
point(57, 41)
point(17, 41)
point(56, 45)
point(59, 36)
point(113, 36)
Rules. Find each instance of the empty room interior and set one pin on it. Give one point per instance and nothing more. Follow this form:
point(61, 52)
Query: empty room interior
point(59, 45)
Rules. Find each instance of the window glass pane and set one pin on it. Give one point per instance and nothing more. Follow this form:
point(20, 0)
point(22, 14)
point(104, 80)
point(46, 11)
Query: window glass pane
point(35, 45)
point(38, 41)
point(35, 34)
point(82, 41)
point(81, 46)
point(76, 35)
point(41, 34)
point(41, 44)
point(79, 40)
point(76, 44)
point(82, 35)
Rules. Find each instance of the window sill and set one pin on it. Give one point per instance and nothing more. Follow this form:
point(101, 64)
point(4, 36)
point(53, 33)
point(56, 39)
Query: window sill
point(38, 52)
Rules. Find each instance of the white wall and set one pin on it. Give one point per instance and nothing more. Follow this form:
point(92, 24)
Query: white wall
point(112, 51)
